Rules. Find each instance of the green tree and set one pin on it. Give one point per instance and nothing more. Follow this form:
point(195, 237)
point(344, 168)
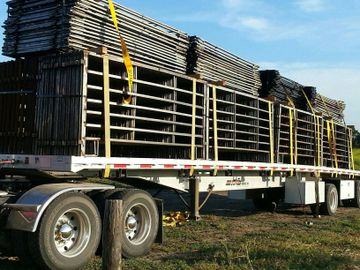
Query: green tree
point(356, 138)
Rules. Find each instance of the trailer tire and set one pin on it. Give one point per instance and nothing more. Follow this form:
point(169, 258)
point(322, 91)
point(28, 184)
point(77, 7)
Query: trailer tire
point(331, 203)
point(356, 201)
point(140, 222)
point(68, 234)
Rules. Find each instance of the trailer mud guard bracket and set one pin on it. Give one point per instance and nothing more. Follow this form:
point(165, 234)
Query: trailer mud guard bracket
point(27, 211)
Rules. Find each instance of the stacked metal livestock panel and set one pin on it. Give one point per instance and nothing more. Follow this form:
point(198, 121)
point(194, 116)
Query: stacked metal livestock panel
point(299, 134)
point(337, 149)
point(35, 26)
point(56, 102)
point(330, 108)
point(158, 121)
point(282, 89)
point(214, 64)
point(18, 84)
point(68, 118)
point(307, 139)
point(58, 114)
point(243, 126)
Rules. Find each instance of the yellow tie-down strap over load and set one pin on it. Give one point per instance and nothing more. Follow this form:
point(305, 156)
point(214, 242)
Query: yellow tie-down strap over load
point(125, 54)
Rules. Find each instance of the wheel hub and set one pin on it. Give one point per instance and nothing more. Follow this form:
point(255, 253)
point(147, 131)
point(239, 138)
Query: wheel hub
point(131, 222)
point(66, 231)
point(137, 224)
point(72, 233)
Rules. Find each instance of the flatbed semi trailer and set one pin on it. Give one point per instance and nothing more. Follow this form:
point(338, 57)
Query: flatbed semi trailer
point(68, 115)
point(179, 132)
point(57, 214)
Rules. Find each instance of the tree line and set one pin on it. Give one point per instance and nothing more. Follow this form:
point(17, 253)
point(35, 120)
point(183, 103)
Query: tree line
point(356, 138)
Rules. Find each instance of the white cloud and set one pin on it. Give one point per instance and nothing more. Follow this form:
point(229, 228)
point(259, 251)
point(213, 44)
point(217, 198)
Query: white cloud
point(310, 5)
point(258, 24)
point(241, 23)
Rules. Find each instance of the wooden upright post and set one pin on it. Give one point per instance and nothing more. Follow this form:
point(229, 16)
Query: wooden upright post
point(195, 198)
point(111, 236)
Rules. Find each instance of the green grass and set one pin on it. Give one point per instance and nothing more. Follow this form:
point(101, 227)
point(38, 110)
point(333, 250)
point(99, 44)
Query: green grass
point(262, 241)
point(357, 158)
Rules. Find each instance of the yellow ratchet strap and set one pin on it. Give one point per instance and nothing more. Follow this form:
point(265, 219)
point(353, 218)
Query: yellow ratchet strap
point(193, 126)
point(271, 137)
point(290, 101)
point(318, 141)
point(308, 102)
point(216, 144)
point(107, 131)
point(329, 134)
point(351, 151)
point(125, 54)
point(317, 129)
point(334, 144)
point(291, 141)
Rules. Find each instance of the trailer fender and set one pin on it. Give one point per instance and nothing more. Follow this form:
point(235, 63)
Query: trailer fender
point(26, 213)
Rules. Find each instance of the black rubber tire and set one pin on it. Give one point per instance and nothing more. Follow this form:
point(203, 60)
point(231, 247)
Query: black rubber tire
point(331, 203)
point(138, 198)
point(42, 244)
point(356, 201)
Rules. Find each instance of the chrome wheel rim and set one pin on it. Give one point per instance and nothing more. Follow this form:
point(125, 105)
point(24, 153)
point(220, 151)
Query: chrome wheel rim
point(72, 232)
point(137, 224)
point(333, 201)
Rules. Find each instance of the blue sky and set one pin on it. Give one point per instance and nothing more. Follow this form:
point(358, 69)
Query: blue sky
point(315, 42)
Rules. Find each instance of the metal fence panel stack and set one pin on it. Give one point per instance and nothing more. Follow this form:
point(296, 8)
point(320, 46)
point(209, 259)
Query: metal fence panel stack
point(214, 64)
point(284, 90)
point(243, 126)
point(157, 123)
point(296, 135)
point(35, 26)
point(18, 84)
point(330, 108)
point(59, 98)
point(53, 103)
